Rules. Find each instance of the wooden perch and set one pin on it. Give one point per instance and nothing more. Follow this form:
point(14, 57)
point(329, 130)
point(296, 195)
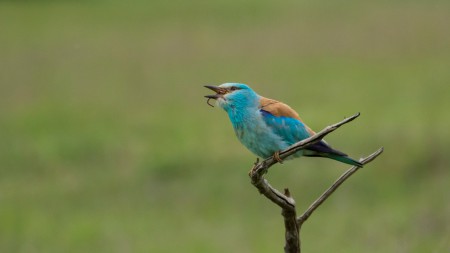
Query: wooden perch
point(284, 200)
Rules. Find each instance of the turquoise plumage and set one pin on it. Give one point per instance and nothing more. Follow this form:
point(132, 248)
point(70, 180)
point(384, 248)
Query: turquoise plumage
point(266, 126)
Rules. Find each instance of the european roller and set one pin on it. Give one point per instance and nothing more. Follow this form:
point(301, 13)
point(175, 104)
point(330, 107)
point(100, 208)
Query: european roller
point(266, 126)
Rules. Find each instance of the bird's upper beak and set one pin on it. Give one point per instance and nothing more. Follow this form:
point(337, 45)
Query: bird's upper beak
point(219, 91)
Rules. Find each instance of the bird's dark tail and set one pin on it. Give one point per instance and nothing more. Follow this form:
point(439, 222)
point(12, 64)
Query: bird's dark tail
point(343, 159)
point(322, 149)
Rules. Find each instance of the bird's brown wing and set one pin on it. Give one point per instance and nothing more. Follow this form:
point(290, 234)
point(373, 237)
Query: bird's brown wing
point(279, 109)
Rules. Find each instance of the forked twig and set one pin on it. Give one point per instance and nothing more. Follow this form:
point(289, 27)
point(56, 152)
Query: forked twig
point(301, 219)
point(285, 201)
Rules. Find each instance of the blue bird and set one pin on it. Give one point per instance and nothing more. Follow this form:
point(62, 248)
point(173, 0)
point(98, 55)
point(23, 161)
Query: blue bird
point(266, 126)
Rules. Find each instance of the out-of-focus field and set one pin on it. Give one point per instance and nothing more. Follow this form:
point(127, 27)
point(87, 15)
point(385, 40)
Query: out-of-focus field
point(107, 144)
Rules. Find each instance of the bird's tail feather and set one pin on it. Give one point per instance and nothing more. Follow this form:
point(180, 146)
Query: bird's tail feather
point(343, 159)
point(322, 149)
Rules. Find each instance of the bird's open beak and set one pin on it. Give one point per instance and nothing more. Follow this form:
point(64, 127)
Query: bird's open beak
point(219, 92)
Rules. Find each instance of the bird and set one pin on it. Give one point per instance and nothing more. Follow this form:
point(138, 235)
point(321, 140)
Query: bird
point(266, 126)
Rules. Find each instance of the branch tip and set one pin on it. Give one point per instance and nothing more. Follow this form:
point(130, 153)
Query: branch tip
point(353, 117)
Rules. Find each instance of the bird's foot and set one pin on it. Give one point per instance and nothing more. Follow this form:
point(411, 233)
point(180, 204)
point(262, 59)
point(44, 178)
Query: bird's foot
point(276, 156)
point(252, 171)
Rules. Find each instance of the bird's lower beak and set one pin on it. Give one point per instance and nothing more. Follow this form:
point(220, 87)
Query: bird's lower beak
point(219, 92)
point(215, 96)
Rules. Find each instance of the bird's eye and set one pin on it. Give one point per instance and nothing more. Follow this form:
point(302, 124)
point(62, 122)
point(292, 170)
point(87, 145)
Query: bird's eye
point(233, 88)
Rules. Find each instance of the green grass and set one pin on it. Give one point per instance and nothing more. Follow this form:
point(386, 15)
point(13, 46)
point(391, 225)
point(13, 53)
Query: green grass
point(107, 144)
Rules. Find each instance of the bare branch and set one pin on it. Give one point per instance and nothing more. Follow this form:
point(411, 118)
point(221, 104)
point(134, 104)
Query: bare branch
point(336, 184)
point(285, 201)
point(292, 230)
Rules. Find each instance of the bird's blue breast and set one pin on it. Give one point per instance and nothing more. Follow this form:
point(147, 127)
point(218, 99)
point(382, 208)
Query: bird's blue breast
point(253, 132)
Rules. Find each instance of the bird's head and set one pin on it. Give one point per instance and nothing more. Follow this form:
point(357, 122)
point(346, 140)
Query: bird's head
point(233, 95)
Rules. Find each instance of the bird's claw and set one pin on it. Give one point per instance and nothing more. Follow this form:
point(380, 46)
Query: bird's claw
point(253, 170)
point(277, 157)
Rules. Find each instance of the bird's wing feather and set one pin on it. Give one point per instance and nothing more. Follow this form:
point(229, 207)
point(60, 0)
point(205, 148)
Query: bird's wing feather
point(284, 121)
point(277, 108)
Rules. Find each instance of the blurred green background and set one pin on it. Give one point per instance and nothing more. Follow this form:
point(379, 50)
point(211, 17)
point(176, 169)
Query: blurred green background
point(107, 144)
